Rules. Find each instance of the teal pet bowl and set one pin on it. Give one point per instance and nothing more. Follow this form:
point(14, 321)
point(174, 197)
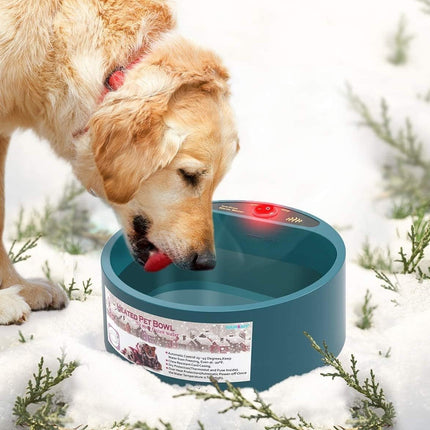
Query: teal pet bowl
point(279, 273)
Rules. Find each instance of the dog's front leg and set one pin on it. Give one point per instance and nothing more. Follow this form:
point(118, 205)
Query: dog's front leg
point(18, 296)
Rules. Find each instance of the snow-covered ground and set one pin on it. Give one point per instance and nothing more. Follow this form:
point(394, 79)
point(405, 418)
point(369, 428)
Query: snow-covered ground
point(301, 147)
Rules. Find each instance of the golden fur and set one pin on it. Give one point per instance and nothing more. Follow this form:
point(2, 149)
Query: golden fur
point(155, 149)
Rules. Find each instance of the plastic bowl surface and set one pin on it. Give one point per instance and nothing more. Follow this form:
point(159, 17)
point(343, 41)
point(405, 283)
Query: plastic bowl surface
point(279, 273)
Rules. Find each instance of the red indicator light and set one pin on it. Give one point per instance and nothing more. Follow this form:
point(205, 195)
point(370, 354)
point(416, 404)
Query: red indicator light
point(265, 211)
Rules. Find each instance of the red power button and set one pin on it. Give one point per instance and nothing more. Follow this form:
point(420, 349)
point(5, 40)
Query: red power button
point(265, 211)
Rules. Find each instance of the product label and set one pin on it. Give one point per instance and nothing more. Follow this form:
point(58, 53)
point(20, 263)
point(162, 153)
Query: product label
point(180, 349)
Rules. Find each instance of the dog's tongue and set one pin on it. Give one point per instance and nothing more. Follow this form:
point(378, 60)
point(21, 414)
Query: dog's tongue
point(157, 261)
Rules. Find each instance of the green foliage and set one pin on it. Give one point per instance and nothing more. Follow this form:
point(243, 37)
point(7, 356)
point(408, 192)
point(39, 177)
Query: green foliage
point(21, 253)
point(50, 414)
point(366, 319)
point(74, 293)
point(260, 410)
point(372, 411)
point(408, 184)
point(73, 246)
point(419, 236)
point(23, 339)
point(138, 425)
point(71, 289)
point(426, 6)
point(46, 269)
point(424, 96)
point(65, 224)
point(387, 283)
point(375, 258)
point(399, 44)
point(41, 409)
point(400, 209)
point(385, 354)
point(407, 176)
point(411, 262)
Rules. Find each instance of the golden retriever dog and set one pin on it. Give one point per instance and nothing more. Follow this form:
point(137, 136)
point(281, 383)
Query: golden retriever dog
point(141, 114)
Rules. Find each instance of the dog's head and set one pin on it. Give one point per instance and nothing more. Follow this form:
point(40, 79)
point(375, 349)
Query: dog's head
point(161, 144)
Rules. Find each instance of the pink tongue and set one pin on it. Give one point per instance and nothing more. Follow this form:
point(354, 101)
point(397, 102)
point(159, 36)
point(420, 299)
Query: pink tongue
point(157, 261)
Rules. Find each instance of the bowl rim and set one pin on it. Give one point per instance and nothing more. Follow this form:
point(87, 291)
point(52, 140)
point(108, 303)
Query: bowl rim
point(323, 229)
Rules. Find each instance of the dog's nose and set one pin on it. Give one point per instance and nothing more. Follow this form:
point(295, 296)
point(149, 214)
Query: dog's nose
point(203, 261)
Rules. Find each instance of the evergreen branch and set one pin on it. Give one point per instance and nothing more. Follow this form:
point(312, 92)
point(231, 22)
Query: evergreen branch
point(373, 412)
point(388, 284)
point(408, 174)
point(366, 320)
point(74, 293)
point(426, 4)
point(70, 289)
point(138, 425)
point(375, 258)
point(385, 354)
point(405, 141)
point(67, 200)
point(20, 255)
point(400, 44)
point(87, 291)
point(420, 241)
point(46, 269)
point(50, 415)
point(65, 224)
point(400, 209)
point(23, 339)
point(261, 410)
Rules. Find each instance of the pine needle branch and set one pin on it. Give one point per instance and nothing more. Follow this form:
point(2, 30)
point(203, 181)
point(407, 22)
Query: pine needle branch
point(50, 415)
point(66, 224)
point(420, 240)
point(138, 425)
point(260, 409)
point(23, 339)
point(426, 6)
point(387, 283)
point(405, 141)
point(375, 258)
point(408, 174)
point(400, 44)
point(21, 254)
point(75, 293)
point(367, 312)
point(373, 412)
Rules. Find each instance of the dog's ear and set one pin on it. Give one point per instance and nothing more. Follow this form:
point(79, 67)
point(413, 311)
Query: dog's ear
point(130, 143)
point(129, 137)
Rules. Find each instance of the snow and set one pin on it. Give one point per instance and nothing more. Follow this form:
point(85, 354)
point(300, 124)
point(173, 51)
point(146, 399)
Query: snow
point(301, 146)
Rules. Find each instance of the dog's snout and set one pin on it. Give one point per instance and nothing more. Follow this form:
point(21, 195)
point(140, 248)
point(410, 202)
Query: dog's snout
point(141, 225)
point(203, 261)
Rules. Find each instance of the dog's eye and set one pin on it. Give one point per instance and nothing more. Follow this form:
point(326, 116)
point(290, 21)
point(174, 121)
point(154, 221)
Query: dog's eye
point(190, 178)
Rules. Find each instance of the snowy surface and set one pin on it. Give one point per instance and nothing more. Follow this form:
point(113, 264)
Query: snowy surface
point(301, 147)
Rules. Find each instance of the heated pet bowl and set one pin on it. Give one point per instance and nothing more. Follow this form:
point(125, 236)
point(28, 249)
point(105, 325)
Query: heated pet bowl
point(279, 272)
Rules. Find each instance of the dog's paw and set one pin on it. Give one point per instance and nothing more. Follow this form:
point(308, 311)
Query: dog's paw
point(41, 294)
point(13, 307)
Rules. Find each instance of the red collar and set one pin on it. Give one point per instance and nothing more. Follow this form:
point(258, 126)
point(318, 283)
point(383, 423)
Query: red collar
point(113, 82)
point(116, 78)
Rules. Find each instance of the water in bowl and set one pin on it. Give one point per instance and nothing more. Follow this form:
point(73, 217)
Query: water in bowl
point(237, 279)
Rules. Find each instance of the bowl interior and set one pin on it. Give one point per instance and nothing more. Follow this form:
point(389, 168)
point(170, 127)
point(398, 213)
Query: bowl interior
point(256, 261)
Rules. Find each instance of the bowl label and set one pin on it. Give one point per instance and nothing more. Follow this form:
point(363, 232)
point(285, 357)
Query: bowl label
point(184, 350)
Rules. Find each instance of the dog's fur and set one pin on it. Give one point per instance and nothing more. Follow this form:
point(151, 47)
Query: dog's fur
point(154, 150)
